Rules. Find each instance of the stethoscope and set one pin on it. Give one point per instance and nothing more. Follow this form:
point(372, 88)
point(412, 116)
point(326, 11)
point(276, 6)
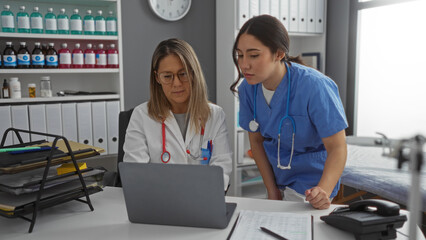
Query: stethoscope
point(254, 125)
point(165, 156)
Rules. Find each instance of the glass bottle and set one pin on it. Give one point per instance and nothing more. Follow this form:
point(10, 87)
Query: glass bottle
point(101, 57)
point(77, 57)
point(7, 20)
point(63, 22)
point(23, 56)
point(51, 57)
point(37, 56)
point(76, 23)
point(64, 56)
point(112, 57)
point(44, 48)
point(6, 89)
point(51, 24)
point(100, 28)
point(89, 23)
point(111, 24)
point(23, 20)
point(36, 21)
point(45, 87)
point(9, 56)
point(89, 57)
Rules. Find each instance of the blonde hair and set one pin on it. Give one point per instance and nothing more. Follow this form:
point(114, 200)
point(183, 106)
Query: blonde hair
point(158, 104)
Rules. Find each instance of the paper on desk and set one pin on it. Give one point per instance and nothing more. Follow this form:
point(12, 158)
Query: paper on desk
point(289, 225)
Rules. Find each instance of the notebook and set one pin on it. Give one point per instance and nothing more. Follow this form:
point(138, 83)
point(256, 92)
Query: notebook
point(175, 194)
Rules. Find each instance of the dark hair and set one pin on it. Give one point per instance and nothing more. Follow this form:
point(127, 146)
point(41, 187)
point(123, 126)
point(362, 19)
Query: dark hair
point(271, 33)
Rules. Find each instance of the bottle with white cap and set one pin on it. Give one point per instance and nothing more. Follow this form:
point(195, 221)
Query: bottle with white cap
point(23, 20)
point(89, 23)
point(76, 24)
point(51, 24)
point(111, 24)
point(36, 20)
point(45, 87)
point(100, 28)
point(63, 22)
point(7, 20)
point(15, 88)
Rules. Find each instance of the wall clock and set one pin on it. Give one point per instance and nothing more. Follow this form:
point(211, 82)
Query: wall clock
point(170, 10)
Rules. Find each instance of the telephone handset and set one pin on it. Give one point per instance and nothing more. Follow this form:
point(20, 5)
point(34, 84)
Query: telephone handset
point(367, 223)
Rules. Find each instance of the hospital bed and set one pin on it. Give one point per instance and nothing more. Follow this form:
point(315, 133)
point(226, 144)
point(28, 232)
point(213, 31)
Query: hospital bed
point(367, 170)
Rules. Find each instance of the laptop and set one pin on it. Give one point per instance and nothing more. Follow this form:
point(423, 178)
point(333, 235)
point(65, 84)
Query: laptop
point(175, 194)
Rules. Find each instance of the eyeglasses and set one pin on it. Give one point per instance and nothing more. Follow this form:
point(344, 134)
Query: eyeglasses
point(168, 77)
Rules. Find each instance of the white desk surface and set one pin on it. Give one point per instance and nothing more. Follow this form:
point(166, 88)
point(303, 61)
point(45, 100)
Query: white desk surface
point(74, 220)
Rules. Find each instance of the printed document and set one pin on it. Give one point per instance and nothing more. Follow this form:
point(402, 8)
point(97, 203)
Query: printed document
point(291, 226)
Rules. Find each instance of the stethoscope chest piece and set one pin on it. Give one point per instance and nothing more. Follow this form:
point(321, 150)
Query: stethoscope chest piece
point(253, 125)
point(165, 157)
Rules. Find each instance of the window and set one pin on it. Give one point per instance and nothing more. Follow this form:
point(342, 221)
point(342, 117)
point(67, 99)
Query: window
point(390, 71)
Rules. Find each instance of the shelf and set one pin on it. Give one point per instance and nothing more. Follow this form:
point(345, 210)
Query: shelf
point(61, 99)
point(247, 162)
point(253, 181)
point(57, 36)
point(58, 70)
point(96, 3)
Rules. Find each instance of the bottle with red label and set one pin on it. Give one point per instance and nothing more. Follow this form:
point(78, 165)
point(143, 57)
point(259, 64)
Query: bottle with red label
point(101, 57)
point(112, 57)
point(89, 57)
point(64, 56)
point(77, 57)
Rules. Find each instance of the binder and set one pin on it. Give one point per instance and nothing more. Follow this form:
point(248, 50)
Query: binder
point(275, 8)
point(100, 138)
point(294, 16)
point(37, 121)
point(69, 121)
point(264, 7)
point(5, 123)
point(319, 16)
point(254, 8)
point(311, 16)
point(53, 120)
point(84, 123)
point(113, 110)
point(243, 12)
point(20, 121)
point(303, 15)
point(284, 13)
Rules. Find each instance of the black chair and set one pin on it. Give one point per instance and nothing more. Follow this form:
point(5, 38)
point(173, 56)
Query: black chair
point(113, 178)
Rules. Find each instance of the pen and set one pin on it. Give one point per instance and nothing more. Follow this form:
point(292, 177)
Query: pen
point(2, 150)
point(27, 150)
point(276, 235)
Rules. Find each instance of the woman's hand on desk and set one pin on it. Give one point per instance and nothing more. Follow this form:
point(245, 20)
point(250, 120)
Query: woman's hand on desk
point(318, 198)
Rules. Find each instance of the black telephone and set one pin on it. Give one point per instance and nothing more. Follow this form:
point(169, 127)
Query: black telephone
point(367, 223)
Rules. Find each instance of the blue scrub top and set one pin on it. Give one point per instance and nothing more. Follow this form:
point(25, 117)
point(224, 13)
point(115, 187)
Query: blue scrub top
point(318, 112)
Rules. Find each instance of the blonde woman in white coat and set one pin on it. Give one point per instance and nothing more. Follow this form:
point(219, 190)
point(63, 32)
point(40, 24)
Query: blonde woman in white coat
point(178, 125)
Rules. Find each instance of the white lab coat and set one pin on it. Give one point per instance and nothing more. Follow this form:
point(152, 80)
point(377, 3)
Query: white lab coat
point(143, 142)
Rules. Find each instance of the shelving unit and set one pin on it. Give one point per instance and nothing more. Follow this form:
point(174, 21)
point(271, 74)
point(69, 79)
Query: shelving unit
point(227, 19)
point(107, 80)
point(90, 80)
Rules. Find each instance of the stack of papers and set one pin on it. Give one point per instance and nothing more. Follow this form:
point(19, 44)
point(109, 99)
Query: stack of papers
point(288, 225)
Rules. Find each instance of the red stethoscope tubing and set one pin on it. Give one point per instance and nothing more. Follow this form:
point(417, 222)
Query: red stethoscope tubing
point(165, 152)
point(163, 130)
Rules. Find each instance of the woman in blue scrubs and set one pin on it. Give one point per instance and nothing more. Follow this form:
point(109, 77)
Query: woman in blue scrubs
point(293, 114)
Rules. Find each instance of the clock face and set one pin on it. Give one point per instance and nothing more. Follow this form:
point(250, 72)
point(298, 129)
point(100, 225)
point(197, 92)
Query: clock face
point(170, 10)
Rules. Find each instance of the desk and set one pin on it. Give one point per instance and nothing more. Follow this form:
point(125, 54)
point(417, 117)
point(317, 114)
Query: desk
point(73, 220)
